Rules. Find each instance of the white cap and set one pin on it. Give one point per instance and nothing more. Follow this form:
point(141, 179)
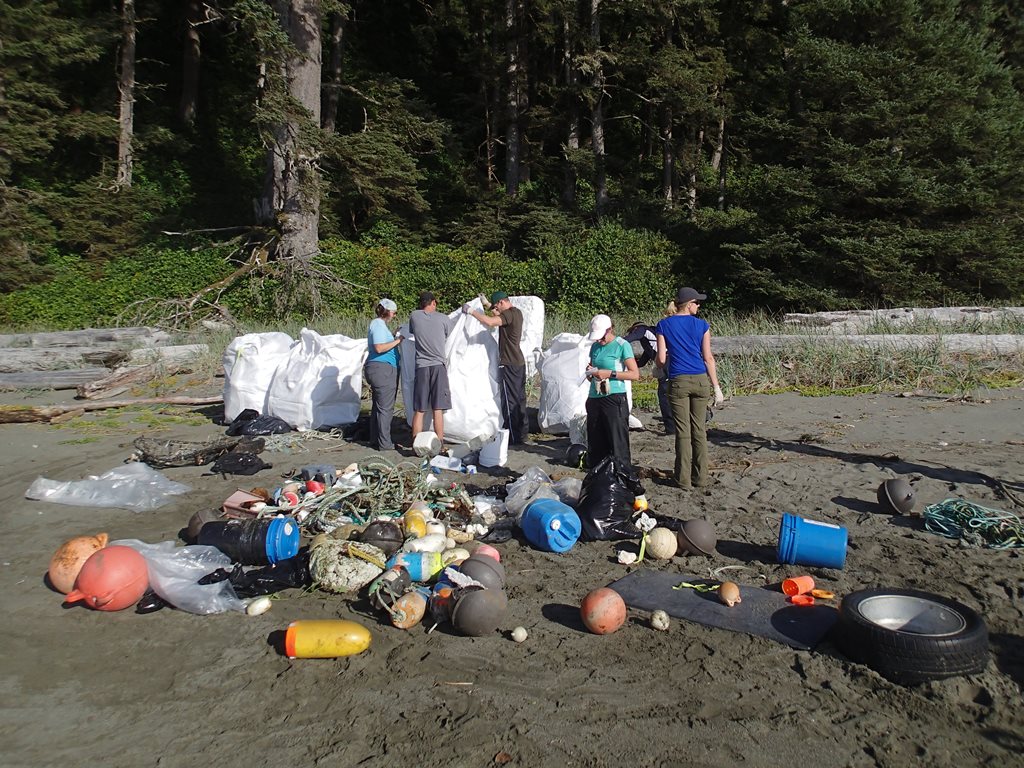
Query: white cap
point(599, 327)
point(388, 304)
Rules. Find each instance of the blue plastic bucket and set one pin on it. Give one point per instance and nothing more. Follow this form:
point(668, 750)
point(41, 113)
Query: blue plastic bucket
point(550, 525)
point(808, 542)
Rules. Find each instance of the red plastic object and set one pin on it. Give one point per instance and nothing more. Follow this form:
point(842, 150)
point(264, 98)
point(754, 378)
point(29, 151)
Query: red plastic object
point(111, 579)
point(801, 600)
point(798, 585)
point(603, 611)
point(314, 486)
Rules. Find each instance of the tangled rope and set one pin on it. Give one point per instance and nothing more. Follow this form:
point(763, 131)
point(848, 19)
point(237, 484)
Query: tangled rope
point(974, 524)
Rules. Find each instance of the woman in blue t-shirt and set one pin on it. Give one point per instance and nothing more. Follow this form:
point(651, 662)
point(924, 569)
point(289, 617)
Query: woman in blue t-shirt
point(684, 351)
point(381, 373)
point(611, 365)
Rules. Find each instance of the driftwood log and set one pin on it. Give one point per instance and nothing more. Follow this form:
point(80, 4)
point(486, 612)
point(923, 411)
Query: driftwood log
point(995, 345)
point(121, 380)
point(88, 337)
point(24, 414)
point(70, 378)
point(858, 320)
point(19, 360)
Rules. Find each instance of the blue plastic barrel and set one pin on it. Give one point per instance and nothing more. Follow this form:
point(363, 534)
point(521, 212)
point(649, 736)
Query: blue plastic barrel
point(808, 542)
point(550, 525)
point(282, 539)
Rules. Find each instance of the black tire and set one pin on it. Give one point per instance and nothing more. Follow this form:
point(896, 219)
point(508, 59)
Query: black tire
point(909, 636)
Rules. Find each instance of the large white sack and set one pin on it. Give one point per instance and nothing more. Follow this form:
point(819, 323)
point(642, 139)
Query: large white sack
point(320, 383)
point(472, 358)
point(250, 362)
point(564, 387)
point(532, 341)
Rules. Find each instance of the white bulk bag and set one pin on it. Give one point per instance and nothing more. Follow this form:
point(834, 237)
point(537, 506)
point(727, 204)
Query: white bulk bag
point(532, 341)
point(320, 383)
point(472, 355)
point(564, 387)
point(250, 362)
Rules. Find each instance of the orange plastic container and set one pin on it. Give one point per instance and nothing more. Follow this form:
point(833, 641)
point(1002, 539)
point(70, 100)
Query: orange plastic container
point(798, 585)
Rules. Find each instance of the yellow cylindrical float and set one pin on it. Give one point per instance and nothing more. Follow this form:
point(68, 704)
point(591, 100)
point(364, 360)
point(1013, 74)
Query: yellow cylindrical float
point(325, 639)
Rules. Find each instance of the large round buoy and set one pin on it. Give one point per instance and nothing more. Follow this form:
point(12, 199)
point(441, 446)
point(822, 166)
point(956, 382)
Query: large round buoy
point(111, 579)
point(662, 544)
point(603, 611)
point(69, 558)
point(478, 612)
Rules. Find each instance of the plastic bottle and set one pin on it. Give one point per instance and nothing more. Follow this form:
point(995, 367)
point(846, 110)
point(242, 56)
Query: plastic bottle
point(253, 542)
point(550, 525)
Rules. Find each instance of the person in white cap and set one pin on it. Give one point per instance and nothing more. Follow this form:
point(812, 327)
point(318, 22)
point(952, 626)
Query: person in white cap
point(381, 372)
point(611, 365)
point(684, 351)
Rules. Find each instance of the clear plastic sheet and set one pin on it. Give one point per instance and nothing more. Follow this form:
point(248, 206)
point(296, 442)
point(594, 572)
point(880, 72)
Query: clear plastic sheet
point(134, 486)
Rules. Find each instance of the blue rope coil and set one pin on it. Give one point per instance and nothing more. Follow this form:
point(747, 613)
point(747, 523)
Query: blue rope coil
point(974, 524)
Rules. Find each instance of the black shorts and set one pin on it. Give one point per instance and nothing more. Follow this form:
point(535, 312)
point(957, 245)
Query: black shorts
point(430, 391)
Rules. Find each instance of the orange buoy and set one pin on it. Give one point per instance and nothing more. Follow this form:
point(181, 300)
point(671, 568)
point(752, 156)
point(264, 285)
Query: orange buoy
point(69, 558)
point(603, 611)
point(112, 579)
point(408, 610)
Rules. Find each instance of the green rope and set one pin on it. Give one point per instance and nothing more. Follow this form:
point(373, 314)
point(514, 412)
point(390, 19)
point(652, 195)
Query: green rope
point(974, 524)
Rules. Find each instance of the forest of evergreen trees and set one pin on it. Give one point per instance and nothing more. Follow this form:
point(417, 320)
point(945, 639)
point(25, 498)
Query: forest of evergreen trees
point(783, 154)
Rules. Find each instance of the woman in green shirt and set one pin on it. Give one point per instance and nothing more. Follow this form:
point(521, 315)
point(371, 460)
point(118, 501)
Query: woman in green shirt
point(611, 365)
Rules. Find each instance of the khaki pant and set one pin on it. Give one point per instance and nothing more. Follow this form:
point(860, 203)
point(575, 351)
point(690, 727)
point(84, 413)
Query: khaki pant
point(689, 396)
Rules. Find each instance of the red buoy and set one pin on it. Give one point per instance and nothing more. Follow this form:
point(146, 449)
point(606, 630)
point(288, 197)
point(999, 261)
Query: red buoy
point(603, 611)
point(113, 578)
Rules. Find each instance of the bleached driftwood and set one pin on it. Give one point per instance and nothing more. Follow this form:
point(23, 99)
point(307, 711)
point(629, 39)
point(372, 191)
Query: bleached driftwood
point(121, 380)
point(17, 360)
point(23, 414)
point(66, 379)
point(174, 355)
point(856, 320)
point(992, 345)
point(88, 337)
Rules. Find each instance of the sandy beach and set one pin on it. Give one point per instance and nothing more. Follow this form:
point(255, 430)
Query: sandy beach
point(172, 689)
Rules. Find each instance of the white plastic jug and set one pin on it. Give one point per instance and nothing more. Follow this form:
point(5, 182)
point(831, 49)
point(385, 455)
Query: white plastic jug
point(495, 453)
point(426, 444)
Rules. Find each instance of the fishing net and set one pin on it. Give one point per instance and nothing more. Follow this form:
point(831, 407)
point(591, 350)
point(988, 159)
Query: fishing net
point(974, 524)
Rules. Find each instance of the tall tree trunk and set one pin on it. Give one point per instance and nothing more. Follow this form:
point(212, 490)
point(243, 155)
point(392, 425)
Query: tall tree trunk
point(668, 159)
point(572, 112)
point(126, 87)
point(597, 113)
point(721, 166)
point(716, 155)
point(332, 83)
point(692, 159)
point(291, 186)
point(514, 95)
point(191, 57)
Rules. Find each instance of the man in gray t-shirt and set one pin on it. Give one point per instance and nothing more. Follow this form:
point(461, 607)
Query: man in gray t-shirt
point(430, 330)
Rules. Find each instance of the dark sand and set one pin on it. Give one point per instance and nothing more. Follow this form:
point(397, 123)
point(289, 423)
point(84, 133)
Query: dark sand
point(172, 689)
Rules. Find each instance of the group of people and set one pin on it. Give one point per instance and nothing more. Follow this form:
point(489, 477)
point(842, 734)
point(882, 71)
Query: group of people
point(679, 345)
point(430, 330)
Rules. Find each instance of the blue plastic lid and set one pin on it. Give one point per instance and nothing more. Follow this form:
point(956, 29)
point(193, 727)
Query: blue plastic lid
point(282, 539)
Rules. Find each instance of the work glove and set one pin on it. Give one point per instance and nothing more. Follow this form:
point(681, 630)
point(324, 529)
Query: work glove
point(466, 308)
point(719, 397)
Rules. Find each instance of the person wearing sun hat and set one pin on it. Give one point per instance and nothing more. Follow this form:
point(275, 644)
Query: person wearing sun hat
point(511, 364)
point(381, 372)
point(612, 364)
point(684, 351)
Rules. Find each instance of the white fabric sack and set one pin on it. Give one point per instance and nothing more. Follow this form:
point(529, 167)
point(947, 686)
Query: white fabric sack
point(320, 383)
point(564, 387)
point(472, 355)
point(250, 362)
point(532, 341)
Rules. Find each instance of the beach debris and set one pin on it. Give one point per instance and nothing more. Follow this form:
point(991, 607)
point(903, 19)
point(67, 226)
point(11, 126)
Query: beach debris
point(478, 612)
point(896, 496)
point(797, 585)
point(603, 611)
point(258, 607)
point(660, 621)
point(325, 639)
point(729, 593)
point(697, 537)
point(822, 594)
point(409, 609)
point(662, 543)
point(809, 542)
point(519, 634)
point(344, 566)
point(259, 541)
point(974, 525)
point(112, 579)
point(69, 558)
point(625, 557)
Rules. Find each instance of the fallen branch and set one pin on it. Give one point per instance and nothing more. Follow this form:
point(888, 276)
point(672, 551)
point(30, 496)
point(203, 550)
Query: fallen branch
point(24, 414)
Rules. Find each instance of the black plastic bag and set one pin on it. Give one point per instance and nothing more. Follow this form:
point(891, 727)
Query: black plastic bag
point(292, 573)
point(606, 502)
point(249, 422)
point(239, 464)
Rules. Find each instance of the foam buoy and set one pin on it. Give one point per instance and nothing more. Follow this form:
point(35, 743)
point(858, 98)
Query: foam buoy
point(603, 611)
point(111, 579)
point(662, 544)
point(69, 558)
point(697, 537)
point(896, 496)
point(479, 612)
point(485, 570)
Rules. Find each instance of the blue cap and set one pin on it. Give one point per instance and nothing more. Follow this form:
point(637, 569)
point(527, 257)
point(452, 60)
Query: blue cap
point(282, 539)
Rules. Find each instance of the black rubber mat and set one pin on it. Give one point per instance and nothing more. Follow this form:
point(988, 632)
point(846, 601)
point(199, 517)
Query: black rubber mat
point(763, 612)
